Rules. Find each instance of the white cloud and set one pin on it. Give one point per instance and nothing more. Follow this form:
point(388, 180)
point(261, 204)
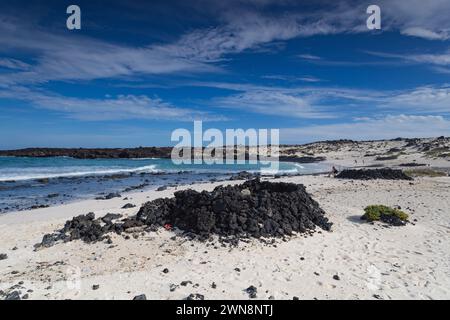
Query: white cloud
point(110, 108)
point(311, 102)
point(425, 19)
point(13, 64)
point(389, 127)
point(291, 78)
point(438, 61)
point(424, 99)
point(426, 34)
point(62, 57)
point(275, 103)
point(309, 57)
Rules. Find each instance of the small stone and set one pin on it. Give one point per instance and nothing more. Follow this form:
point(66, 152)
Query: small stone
point(3, 256)
point(95, 287)
point(165, 270)
point(213, 285)
point(15, 295)
point(295, 298)
point(185, 283)
point(336, 277)
point(173, 287)
point(251, 291)
point(195, 296)
point(140, 297)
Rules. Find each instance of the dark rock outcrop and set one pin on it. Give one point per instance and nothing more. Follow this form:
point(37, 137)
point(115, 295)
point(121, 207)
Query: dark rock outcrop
point(81, 153)
point(370, 174)
point(306, 159)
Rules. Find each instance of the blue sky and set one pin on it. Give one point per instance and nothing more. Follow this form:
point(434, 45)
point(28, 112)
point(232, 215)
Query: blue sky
point(139, 69)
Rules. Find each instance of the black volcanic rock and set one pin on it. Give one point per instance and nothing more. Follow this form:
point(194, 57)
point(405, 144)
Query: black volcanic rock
point(306, 159)
point(251, 292)
point(412, 164)
point(195, 296)
point(81, 153)
point(14, 295)
point(371, 174)
point(109, 196)
point(244, 175)
point(254, 209)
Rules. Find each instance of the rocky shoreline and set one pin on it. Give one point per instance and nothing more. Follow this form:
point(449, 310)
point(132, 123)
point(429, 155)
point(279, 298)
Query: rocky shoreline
point(86, 153)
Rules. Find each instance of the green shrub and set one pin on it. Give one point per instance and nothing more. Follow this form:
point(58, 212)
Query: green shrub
point(374, 213)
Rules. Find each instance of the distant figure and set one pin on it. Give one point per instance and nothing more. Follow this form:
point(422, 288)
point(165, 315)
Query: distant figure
point(334, 172)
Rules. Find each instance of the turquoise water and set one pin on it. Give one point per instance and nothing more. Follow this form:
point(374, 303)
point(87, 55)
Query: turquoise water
point(12, 168)
point(28, 182)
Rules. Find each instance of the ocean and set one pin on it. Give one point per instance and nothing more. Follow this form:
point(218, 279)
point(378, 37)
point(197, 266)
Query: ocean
point(35, 182)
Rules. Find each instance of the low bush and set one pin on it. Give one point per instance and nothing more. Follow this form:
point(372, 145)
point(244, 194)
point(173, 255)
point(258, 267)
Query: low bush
point(385, 214)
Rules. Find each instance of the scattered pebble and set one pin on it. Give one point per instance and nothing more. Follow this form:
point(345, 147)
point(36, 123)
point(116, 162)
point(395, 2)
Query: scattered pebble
point(251, 292)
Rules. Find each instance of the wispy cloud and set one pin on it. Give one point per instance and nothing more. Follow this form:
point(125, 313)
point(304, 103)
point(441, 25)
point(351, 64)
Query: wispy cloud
point(425, 99)
point(388, 127)
point(290, 78)
point(274, 103)
point(424, 19)
point(426, 34)
point(69, 57)
point(13, 64)
point(440, 62)
point(309, 57)
point(312, 102)
point(122, 107)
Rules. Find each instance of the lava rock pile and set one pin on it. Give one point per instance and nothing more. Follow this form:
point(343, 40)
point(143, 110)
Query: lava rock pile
point(253, 209)
point(371, 174)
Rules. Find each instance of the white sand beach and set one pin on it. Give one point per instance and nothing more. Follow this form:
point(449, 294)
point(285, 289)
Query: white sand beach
point(371, 261)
